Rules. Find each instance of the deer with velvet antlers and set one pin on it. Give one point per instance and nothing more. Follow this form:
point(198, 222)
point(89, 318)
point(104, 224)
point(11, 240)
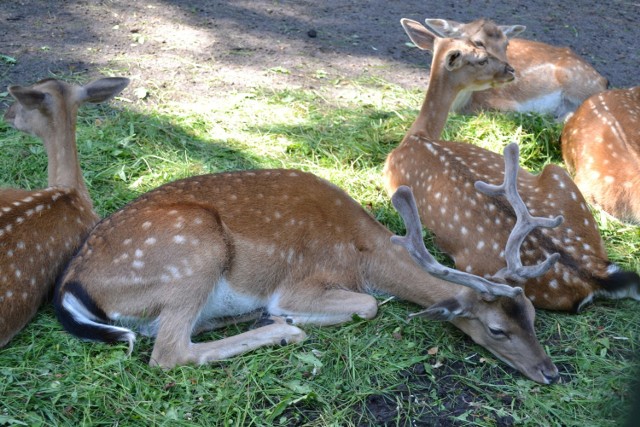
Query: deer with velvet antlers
point(282, 246)
point(549, 79)
point(473, 228)
point(40, 230)
point(601, 148)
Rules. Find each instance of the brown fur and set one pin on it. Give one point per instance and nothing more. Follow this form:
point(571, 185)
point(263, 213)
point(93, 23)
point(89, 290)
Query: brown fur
point(601, 147)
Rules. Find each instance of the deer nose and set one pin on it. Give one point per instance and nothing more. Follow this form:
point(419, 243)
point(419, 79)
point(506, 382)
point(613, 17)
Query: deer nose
point(551, 379)
point(509, 70)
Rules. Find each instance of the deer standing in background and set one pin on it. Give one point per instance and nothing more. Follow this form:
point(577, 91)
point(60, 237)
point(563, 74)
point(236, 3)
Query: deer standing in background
point(284, 245)
point(473, 228)
point(40, 230)
point(601, 147)
point(549, 79)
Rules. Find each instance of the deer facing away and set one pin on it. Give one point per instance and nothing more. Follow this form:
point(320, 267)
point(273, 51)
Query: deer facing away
point(210, 250)
point(473, 228)
point(549, 79)
point(40, 230)
point(601, 148)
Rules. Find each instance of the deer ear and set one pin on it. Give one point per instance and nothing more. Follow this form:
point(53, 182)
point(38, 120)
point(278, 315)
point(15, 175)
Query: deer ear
point(453, 60)
point(445, 310)
point(419, 35)
point(29, 98)
point(444, 27)
point(103, 89)
point(511, 30)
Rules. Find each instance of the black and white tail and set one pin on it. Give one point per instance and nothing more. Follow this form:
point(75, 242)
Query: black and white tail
point(80, 316)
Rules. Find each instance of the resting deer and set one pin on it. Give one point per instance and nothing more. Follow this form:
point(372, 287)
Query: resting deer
point(40, 230)
point(549, 79)
point(601, 147)
point(473, 228)
point(207, 251)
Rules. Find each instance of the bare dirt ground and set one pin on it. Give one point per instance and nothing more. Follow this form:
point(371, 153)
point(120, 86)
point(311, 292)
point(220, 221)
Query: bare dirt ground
point(184, 49)
point(181, 50)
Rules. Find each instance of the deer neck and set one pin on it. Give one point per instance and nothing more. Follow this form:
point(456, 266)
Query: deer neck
point(438, 100)
point(63, 165)
point(394, 272)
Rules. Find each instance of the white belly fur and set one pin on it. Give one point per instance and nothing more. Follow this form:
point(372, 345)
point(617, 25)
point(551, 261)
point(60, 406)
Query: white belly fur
point(224, 301)
point(546, 104)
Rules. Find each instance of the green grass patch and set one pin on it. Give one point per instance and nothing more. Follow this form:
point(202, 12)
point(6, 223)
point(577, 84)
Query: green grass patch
point(387, 371)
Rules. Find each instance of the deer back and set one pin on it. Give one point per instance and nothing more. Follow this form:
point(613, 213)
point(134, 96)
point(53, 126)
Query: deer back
point(39, 231)
point(601, 147)
point(264, 221)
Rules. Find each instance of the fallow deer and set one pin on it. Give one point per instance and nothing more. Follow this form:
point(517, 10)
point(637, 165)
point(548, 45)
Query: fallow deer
point(601, 148)
point(549, 79)
point(472, 228)
point(40, 230)
point(211, 250)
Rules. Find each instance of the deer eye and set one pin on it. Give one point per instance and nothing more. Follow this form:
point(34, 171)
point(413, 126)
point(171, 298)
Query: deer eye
point(478, 43)
point(483, 62)
point(497, 332)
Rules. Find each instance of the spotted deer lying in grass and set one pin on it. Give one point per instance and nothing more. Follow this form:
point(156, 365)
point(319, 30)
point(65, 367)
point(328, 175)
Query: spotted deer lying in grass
point(601, 147)
point(473, 228)
point(284, 245)
point(549, 79)
point(40, 230)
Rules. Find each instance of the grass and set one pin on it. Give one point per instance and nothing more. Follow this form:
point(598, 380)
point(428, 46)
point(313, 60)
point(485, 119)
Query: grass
point(386, 371)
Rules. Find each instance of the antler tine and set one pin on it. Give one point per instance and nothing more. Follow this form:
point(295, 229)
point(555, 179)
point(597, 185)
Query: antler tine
point(525, 222)
point(405, 204)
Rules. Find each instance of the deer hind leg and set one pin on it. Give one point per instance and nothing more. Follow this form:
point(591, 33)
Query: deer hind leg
point(313, 303)
point(181, 317)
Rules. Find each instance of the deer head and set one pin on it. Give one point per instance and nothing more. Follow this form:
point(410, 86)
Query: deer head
point(478, 316)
